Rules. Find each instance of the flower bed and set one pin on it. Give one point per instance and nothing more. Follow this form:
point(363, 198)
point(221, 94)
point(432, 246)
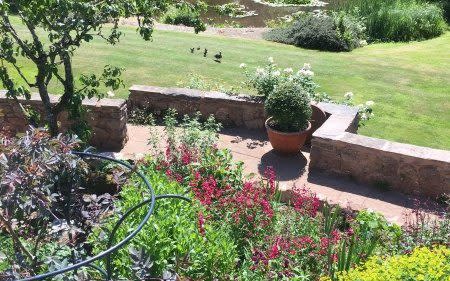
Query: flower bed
point(235, 227)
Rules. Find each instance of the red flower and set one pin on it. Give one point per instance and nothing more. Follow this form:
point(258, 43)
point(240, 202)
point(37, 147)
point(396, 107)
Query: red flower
point(350, 232)
point(274, 252)
point(270, 175)
point(305, 201)
point(201, 224)
point(335, 236)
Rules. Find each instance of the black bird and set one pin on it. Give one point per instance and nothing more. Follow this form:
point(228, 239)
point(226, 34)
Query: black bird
point(205, 52)
point(198, 48)
point(192, 50)
point(218, 56)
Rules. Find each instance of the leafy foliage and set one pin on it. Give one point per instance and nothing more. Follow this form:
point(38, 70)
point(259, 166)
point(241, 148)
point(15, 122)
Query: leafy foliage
point(335, 32)
point(265, 81)
point(422, 264)
point(186, 14)
point(398, 20)
point(445, 7)
point(423, 229)
point(44, 210)
point(54, 31)
point(236, 226)
point(290, 109)
point(171, 240)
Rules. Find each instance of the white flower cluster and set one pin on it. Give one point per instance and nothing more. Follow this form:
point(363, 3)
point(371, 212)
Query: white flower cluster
point(266, 78)
point(365, 110)
point(306, 70)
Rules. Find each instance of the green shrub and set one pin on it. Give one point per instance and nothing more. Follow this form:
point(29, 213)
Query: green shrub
point(289, 2)
point(186, 14)
point(422, 264)
point(289, 107)
point(399, 20)
point(423, 229)
point(170, 239)
point(445, 5)
point(336, 32)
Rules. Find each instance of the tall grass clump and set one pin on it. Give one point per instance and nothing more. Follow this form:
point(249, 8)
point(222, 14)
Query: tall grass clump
point(445, 4)
point(398, 20)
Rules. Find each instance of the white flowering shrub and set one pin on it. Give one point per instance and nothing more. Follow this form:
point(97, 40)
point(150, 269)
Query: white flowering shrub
point(265, 79)
point(365, 110)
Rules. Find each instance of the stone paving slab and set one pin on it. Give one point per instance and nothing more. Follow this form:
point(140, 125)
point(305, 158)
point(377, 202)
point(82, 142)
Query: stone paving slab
point(253, 148)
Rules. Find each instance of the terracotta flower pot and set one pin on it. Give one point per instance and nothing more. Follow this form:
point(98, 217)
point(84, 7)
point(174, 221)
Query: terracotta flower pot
point(287, 143)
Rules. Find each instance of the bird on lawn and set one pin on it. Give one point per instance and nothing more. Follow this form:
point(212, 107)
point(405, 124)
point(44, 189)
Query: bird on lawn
point(205, 52)
point(198, 48)
point(192, 50)
point(218, 56)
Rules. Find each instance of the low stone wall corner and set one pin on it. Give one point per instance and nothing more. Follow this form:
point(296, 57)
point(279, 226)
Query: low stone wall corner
point(406, 168)
point(107, 119)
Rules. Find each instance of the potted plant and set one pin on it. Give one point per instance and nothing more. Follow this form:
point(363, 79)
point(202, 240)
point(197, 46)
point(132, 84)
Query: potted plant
point(289, 111)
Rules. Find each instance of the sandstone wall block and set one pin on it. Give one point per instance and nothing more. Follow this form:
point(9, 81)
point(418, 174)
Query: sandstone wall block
point(107, 118)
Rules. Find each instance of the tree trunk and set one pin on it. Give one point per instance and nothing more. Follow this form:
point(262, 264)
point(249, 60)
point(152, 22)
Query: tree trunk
point(50, 116)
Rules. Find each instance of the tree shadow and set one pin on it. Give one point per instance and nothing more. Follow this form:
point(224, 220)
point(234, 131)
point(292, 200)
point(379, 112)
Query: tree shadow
point(252, 138)
point(349, 185)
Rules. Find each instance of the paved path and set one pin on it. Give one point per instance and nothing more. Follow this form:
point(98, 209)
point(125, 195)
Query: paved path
point(253, 149)
point(231, 32)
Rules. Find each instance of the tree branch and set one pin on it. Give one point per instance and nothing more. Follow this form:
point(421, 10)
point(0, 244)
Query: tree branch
point(31, 85)
point(19, 41)
point(32, 30)
point(14, 237)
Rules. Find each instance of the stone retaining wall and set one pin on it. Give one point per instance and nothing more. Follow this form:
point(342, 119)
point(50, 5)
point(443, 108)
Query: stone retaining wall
point(107, 118)
point(407, 168)
point(336, 148)
point(238, 111)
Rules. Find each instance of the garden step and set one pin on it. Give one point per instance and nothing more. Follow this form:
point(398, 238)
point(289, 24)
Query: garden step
point(255, 151)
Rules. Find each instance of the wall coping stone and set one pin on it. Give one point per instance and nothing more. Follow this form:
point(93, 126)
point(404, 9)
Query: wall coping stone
point(341, 119)
point(87, 102)
point(398, 148)
point(191, 93)
point(409, 168)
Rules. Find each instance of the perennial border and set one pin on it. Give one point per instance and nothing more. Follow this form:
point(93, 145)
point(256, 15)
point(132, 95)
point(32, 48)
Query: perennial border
point(111, 249)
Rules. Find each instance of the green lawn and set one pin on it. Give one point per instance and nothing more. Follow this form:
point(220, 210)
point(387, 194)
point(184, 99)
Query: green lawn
point(410, 83)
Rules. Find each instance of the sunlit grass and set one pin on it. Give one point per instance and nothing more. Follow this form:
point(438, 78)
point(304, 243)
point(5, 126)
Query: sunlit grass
point(409, 83)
